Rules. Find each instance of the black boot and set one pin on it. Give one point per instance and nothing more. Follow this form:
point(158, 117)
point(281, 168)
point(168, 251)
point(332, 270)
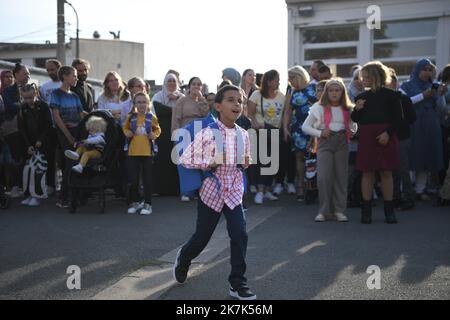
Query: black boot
point(389, 212)
point(366, 212)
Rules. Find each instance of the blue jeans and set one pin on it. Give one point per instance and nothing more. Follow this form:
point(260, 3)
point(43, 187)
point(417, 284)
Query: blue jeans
point(207, 220)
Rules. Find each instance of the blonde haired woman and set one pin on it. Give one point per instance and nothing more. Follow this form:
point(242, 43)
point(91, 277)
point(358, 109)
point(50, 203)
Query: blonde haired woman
point(115, 96)
point(298, 102)
point(329, 120)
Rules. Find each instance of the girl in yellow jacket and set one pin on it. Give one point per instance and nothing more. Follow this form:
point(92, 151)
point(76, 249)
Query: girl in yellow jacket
point(141, 129)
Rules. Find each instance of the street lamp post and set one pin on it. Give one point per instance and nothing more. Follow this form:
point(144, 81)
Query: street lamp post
point(78, 30)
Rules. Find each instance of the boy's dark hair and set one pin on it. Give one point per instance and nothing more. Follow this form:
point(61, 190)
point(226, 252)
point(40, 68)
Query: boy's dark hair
point(29, 87)
point(221, 93)
point(324, 69)
point(225, 83)
point(64, 71)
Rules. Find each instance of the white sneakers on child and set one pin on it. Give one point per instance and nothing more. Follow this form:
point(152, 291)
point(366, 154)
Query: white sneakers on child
point(259, 197)
point(278, 189)
point(78, 168)
point(71, 155)
point(135, 207)
point(146, 210)
point(319, 218)
point(141, 208)
point(185, 199)
point(291, 188)
point(30, 201)
point(341, 217)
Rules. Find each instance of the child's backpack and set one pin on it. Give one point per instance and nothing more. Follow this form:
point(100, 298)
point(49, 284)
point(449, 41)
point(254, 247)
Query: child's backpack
point(34, 176)
point(148, 129)
point(191, 180)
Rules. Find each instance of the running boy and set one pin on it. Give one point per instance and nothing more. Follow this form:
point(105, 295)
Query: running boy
point(221, 193)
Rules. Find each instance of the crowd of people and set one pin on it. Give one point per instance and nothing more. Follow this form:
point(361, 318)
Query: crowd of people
point(373, 138)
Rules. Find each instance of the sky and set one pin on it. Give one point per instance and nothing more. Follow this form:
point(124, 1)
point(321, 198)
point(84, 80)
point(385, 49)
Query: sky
point(195, 37)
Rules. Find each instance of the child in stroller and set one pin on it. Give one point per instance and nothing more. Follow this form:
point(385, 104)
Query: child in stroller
point(311, 191)
point(92, 147)
point(98, 172)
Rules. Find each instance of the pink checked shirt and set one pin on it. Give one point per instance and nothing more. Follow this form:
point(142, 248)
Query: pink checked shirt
point(202, 152)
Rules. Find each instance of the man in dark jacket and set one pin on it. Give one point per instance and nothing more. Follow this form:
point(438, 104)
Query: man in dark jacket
point(83, 89)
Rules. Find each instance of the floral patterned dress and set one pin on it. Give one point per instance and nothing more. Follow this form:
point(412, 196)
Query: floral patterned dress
point(301, 101)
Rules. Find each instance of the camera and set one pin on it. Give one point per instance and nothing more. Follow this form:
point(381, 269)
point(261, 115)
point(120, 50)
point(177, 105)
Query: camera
point(435, 85)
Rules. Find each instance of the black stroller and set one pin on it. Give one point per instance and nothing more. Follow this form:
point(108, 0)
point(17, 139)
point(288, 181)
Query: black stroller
point(99, 174)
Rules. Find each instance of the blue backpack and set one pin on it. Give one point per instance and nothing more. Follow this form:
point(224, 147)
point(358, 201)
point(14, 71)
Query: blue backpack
point(148, 129)
point(191, 180)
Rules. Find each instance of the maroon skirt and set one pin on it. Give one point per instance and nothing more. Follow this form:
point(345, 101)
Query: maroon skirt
point(372, 156)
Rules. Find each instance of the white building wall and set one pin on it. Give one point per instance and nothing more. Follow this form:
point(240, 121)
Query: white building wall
point(345, 12)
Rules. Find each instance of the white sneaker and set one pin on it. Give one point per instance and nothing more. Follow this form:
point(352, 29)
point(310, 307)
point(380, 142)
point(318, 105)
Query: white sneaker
point(253, 189)
point(26, 201)
point(134, 207)
point(341, 217)
point(71, 155)
point(278, 189)
point(34, 202)
point(269, 196)
point(185, 199)
point(259, 198)
point(291, 188)
point(78, 168)
point(146, 210)
point(16, 192)
point(320, 218)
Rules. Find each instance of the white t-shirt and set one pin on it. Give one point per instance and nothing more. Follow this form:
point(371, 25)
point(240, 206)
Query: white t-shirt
point(47, 88)
point(273, 108)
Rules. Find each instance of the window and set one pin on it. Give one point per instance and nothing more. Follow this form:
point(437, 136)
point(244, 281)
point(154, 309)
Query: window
point(13, 60)
point(399, 44)
point(336, 45)
point(406, 29)
point(40, 62)
point(326, 54)
point(334, 34)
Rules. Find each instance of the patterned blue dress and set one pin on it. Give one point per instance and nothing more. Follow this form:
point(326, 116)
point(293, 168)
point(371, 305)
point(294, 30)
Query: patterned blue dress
point(301, 101)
